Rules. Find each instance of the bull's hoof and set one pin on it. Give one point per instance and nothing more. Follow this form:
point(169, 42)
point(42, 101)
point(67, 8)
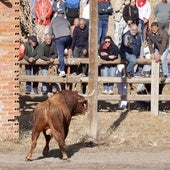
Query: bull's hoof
point(28, 159)
point(45, 151)
point(66, 159)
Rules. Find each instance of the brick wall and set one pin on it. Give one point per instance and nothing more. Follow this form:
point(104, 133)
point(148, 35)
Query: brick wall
point(9, 69)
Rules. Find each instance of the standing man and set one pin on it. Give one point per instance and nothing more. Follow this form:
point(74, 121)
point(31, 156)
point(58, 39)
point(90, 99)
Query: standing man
point(158, 41)
point(31, 54)
point(60, 28)
point(48, 53)
point(119, 22)
point(104, 11)
point(131, 48)
point(144, 9)
point(80, 44)
point(43, 14)
point(130, 13)
point(162, 13)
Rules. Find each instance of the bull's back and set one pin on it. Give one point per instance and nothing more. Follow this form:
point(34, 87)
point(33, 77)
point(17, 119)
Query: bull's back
point(40, 119)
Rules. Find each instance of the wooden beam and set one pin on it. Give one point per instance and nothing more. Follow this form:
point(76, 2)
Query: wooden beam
point(155, 88)
point(78, 79)
point(77, 61)
point(93, 69)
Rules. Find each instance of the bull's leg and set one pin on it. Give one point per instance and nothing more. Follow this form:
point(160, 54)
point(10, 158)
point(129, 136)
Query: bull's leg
point(61, 142)
point(46, 148)
point(35, 135)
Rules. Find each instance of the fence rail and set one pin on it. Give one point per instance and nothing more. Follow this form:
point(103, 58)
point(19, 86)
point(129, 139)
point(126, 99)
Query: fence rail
point(154, 80)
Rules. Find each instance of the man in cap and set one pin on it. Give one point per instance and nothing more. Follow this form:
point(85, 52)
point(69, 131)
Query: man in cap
point(31, 55)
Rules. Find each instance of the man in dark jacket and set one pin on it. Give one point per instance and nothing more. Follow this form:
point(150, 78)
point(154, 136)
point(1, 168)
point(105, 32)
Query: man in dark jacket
point(131, 48)
point(130, 13)
point(31, 55)
point(48, 53)
point(80, 43)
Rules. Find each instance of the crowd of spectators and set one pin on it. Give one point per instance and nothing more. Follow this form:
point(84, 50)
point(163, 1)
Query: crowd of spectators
point(60, 28)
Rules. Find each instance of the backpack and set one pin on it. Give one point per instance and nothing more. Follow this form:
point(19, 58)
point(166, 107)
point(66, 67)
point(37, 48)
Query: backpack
point(72, 8)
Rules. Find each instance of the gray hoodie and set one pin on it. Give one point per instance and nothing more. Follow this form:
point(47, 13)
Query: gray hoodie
point(162, 12)
point(59, 27)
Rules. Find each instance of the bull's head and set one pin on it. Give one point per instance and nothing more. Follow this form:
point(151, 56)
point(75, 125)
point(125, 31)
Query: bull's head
point(82, 103)
point(81, 106)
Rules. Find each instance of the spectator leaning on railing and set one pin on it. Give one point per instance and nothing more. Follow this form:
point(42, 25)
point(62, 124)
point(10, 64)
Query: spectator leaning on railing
point(158, 41)
point(31, 54)
point(131, 48)
point(48, 53)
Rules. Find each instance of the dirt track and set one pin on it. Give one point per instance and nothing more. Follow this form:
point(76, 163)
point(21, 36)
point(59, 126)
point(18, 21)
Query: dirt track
point(88, 159)
point(138, 141)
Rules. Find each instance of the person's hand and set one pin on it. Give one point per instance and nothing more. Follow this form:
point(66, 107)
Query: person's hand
point(31, 59)
point(157, 58)
point(84, 51)
point(104, 54)
point(152, 56)
point(141, 57)
point(50, 61)
point(112, 57)
point(145, 20)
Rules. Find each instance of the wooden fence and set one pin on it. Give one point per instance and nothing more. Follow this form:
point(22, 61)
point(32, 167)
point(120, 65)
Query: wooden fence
point(154, 80)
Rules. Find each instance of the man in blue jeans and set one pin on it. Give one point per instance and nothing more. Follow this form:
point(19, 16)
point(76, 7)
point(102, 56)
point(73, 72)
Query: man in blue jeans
point(130, 48)
point(48, 53)
point(31, 54)
point(158, 41)
point(60, 28)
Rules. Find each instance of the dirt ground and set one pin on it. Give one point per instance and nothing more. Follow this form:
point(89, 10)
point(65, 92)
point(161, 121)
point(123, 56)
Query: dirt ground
point(133, 140)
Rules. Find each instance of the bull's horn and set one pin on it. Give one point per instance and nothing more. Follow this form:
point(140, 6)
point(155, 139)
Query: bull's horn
point(87, 95)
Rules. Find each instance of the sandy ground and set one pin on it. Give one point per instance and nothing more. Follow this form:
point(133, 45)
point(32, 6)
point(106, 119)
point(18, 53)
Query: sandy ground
point(133, 140)
point(89, 159)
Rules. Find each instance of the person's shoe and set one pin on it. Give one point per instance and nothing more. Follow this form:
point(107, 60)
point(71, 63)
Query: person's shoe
point(105, 92)
point(163, 78)
point(74, 74)
point(27, 92)
point(62, 74)
point(82, 75)
point(110, 92)
point(129, 75)
point(44, 92)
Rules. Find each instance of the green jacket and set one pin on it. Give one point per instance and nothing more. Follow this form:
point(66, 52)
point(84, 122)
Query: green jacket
point(31, 51)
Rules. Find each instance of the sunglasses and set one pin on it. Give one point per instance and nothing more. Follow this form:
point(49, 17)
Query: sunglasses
point(107, 42)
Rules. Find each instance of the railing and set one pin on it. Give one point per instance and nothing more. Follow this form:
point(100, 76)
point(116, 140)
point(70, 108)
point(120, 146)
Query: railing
point(154, 97)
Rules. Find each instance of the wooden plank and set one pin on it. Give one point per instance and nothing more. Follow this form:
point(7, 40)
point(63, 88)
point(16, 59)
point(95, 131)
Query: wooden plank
point(78, 79)
point(77, 61)
point(155, 88)
point(109, 98)
point(93, 69)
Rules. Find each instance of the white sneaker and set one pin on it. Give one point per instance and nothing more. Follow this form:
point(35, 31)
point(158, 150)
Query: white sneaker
point(62, 74)
point(105, 92)
point(110, 92)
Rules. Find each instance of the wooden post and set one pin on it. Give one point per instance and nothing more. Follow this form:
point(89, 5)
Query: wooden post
point(93, 69)
point(155, 88)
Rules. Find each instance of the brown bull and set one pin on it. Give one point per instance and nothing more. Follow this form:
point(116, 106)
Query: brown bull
point(53, 116)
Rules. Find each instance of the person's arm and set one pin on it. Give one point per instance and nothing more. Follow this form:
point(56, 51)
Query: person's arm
point(150, 45)
point(74, 38)
point(126, 13)
point(163, 46)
